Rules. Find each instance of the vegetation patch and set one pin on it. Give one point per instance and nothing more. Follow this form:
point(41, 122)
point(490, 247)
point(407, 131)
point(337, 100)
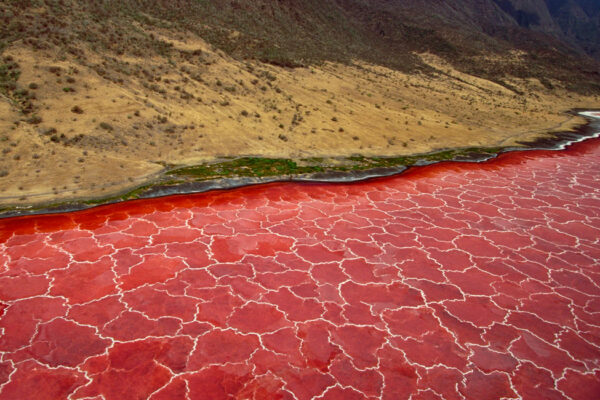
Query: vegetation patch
point(263, 167)
point(246, 167)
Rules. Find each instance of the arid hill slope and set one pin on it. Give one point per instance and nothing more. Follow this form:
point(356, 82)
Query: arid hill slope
point(99, 97)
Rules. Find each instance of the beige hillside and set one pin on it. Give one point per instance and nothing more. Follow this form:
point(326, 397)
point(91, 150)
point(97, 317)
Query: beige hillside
point(105, 125)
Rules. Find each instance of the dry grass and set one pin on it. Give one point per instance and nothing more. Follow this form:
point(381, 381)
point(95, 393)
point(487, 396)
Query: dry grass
point(109, 124)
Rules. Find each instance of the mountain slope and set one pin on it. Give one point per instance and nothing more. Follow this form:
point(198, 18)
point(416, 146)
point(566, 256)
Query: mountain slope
point(100, 97)
point(294, 32)
point(580, 23)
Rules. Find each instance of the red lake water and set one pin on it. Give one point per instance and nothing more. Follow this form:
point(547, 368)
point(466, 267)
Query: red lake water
point(456, 280)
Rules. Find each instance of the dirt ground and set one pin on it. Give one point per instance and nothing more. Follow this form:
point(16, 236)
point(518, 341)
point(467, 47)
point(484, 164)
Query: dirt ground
point(110, 125)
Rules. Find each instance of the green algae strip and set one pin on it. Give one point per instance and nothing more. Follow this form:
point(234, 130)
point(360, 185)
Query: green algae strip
point(246, 167)
point(263, 167)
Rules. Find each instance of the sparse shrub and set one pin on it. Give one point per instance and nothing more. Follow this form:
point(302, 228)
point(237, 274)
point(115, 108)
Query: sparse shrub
point(48, 131)
point(244, 113)
point(68, 90)
point(76, 110)
point(21, 93)
point(70, 79)
point(270, 76)
point(283, 137)
point(33, 86)
point(55, 70)
point(105, 126)
point(34, 120)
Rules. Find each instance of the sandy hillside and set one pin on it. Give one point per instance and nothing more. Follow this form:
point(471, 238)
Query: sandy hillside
point(104, 125)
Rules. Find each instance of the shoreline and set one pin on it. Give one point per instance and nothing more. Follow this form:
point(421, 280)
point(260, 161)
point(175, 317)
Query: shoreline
point(162, 187)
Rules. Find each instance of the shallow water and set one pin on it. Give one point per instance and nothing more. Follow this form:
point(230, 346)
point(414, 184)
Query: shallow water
point(456, 279)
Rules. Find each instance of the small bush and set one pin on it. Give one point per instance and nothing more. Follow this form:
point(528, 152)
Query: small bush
point(33, 86)
point(21, 93)
point(55, 70)
point(49, 131)
point(76, 110)
point(34, 120)
point(105, 126)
